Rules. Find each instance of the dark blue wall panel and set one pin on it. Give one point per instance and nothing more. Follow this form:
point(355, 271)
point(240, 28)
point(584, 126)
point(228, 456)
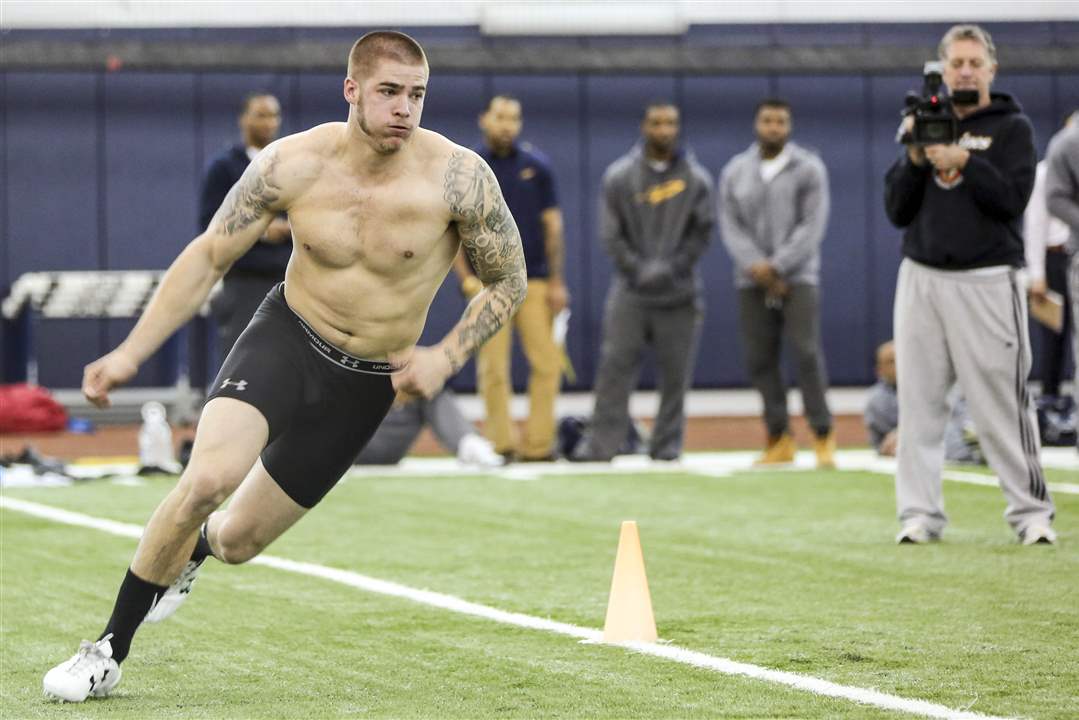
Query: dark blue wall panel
point(151, 179)
point(52, 184)
point(103, 171)
point(321, 99)
point(1035, 94)
point(718, 124)
point(885, 98)
point(1066, 92)
point(546, 102)
point(51, 176)
point(151, 176)
point(611, 118)
point(829, 118)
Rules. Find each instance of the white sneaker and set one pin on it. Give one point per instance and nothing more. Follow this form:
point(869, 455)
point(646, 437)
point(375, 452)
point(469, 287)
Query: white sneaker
point(1038, 534)
point(915, 534)
point(479, 452)
point(92, 671)
point(174, 597)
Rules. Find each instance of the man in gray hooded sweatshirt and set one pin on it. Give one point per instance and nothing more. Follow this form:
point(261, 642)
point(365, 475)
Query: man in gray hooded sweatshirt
point(656, 219)
point(774, 206)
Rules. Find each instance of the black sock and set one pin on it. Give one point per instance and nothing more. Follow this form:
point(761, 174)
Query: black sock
point(134, 600)
point(202, 546)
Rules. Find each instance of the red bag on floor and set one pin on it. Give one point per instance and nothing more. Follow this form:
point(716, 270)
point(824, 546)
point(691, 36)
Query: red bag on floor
point(29, 408)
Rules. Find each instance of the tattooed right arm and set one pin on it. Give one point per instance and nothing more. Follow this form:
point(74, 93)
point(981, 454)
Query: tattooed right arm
point(242, 218)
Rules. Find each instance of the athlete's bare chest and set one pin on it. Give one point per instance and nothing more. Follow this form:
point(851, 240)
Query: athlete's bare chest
point(381, 225)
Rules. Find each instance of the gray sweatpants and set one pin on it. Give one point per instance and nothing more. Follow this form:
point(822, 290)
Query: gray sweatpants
point(628, 328)
point(972, 328)
point(403, 424)
point(763, 327)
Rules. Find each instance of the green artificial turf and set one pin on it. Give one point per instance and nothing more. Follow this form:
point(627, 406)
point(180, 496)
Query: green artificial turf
point(795, 571)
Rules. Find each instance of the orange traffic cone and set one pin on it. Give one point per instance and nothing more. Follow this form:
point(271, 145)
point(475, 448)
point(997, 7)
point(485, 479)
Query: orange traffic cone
point(629, 608)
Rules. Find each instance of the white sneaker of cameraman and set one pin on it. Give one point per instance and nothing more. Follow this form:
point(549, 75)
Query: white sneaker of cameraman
point(91, 671)
point(478, 452)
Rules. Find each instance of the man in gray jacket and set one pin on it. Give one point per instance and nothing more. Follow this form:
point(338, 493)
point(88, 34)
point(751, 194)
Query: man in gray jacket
point(1062, 198)
point(773, 209)
point(656, 219)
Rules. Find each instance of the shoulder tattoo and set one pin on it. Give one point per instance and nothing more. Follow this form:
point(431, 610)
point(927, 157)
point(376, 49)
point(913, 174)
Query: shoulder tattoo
point(253, 194)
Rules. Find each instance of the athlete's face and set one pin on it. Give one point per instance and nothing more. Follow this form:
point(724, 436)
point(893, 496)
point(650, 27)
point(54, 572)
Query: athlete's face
point(501, 124)
point(660, 129)
point(772, 127)
point(261, 121)
point(389, 102)
point(967, 67)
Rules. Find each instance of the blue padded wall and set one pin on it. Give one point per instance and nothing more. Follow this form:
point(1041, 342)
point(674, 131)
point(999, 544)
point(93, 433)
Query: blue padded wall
point(717, 124)
point(822, 123)
point(53, 191)
point(611, 121)
point(102, 171)
point(546, 101)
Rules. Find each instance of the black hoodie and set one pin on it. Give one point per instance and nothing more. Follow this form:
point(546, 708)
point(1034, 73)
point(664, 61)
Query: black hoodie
point(971, 220)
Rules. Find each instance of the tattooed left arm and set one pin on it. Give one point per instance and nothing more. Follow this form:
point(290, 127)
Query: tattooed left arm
point(490, 238)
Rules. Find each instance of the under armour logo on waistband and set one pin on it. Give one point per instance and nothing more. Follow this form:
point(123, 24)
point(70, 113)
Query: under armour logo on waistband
point(240, 384)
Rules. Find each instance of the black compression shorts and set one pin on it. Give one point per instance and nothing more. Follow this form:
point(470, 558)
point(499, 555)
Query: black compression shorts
point(322, 404)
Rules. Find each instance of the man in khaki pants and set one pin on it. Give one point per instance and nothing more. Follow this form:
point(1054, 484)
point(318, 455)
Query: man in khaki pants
point(528, 186)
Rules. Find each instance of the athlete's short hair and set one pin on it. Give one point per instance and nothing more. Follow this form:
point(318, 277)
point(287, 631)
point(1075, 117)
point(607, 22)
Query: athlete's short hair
point(388, 44)
point(967, 32)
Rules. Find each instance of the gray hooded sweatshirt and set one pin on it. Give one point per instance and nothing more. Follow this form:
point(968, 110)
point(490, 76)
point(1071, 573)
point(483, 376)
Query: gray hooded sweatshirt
point(782, 221)
point(655, 225)
point(1062, 180)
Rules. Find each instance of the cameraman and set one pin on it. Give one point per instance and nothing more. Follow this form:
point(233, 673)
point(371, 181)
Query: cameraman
point(960, 312)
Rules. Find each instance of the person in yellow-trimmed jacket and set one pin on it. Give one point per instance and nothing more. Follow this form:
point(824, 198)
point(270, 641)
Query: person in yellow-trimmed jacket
point(657, 217)
point(528, 186)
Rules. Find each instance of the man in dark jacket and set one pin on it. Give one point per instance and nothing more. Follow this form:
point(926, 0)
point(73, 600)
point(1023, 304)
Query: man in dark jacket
point(656, 219)
point(960, 309)
point(251, 277)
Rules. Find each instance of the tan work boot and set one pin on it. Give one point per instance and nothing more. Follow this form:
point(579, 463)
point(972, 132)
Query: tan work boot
point(825, 449)
point(780, 451)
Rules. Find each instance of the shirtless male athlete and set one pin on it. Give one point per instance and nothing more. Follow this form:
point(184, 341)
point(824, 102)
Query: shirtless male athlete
point(379, 208)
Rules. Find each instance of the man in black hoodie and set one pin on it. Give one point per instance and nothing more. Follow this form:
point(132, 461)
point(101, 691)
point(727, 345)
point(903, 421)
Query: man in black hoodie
point(960, 310)
point(656, 218)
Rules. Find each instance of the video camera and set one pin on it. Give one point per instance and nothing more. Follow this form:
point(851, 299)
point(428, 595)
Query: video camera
point(935, 122)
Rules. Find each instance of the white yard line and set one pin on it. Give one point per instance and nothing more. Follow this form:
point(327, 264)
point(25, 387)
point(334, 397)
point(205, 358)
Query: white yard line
point(817, 686)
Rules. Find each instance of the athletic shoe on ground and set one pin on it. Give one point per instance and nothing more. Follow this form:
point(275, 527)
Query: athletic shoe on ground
point(1038, 534)
point(174, 597)
point(478, 452)
point(824, 447)
point(780, 451)
point(916, 534)
point(92, 671)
